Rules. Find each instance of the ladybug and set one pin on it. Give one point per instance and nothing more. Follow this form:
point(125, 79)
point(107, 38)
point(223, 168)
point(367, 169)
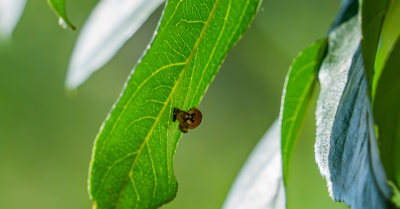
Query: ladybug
point(187, 120)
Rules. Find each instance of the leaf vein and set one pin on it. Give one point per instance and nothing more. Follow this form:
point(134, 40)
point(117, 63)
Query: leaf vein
point(154, 171)
point(172, 92)
point(134, 94)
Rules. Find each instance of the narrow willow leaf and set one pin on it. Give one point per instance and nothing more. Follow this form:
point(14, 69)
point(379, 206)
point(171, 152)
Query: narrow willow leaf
point(10, 12)
point(387, 114)
point(132, 163)
point(299, 85)
point(108, 27)
point(59, 8)
point(372, 15)
point(346, 151)
point(390, 33)
point(259, 184)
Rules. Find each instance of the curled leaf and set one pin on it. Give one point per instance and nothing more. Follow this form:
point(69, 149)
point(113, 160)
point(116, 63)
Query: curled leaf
point(346, 150)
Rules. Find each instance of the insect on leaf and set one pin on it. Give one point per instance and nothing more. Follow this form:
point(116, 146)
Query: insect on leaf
point(108, 27)
point(59, 8)
point(132, 162)
point(297, 92)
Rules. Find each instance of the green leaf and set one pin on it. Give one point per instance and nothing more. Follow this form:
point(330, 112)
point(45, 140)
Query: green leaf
point(372, 16)
point(387, 114)
point(297, 92)
point(396, 194)
point(59, 8)
point(132, 163)
point(390, 33)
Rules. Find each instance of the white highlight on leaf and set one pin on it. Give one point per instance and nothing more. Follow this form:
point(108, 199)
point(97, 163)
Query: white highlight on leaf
point(110, 25)
point(345, 148)
point(259, 184)
point(62, 23)
point(10, 12)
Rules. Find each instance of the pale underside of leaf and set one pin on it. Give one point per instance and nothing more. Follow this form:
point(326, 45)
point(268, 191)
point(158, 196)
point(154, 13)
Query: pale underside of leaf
point(109, 26)
point(132, 163)
point(345, 149)
point(340, 52)
point(259, 184)
point(10, 12)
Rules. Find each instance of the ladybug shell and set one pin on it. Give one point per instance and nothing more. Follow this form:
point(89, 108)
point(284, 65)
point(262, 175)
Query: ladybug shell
point(197, 117)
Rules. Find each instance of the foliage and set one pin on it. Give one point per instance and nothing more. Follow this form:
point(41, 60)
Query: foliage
point(345, 141)
point(59, 8)
point(109, 26)
point(132, 164)
point(372, 16)
point(297, 91)
point(387, 114)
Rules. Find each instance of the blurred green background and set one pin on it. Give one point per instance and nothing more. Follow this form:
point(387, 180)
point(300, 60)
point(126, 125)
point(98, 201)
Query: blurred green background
point(46, 136)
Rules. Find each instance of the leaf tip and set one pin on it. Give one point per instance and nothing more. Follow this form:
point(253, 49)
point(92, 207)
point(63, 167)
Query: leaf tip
point(58, 7)
point(65, 24)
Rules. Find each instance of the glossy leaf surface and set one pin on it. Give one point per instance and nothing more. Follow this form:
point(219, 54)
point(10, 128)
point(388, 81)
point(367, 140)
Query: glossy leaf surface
point(132, 164)
point(297, 92)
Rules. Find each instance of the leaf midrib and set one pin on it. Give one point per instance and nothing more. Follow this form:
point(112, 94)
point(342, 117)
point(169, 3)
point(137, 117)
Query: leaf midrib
point(145, 141)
